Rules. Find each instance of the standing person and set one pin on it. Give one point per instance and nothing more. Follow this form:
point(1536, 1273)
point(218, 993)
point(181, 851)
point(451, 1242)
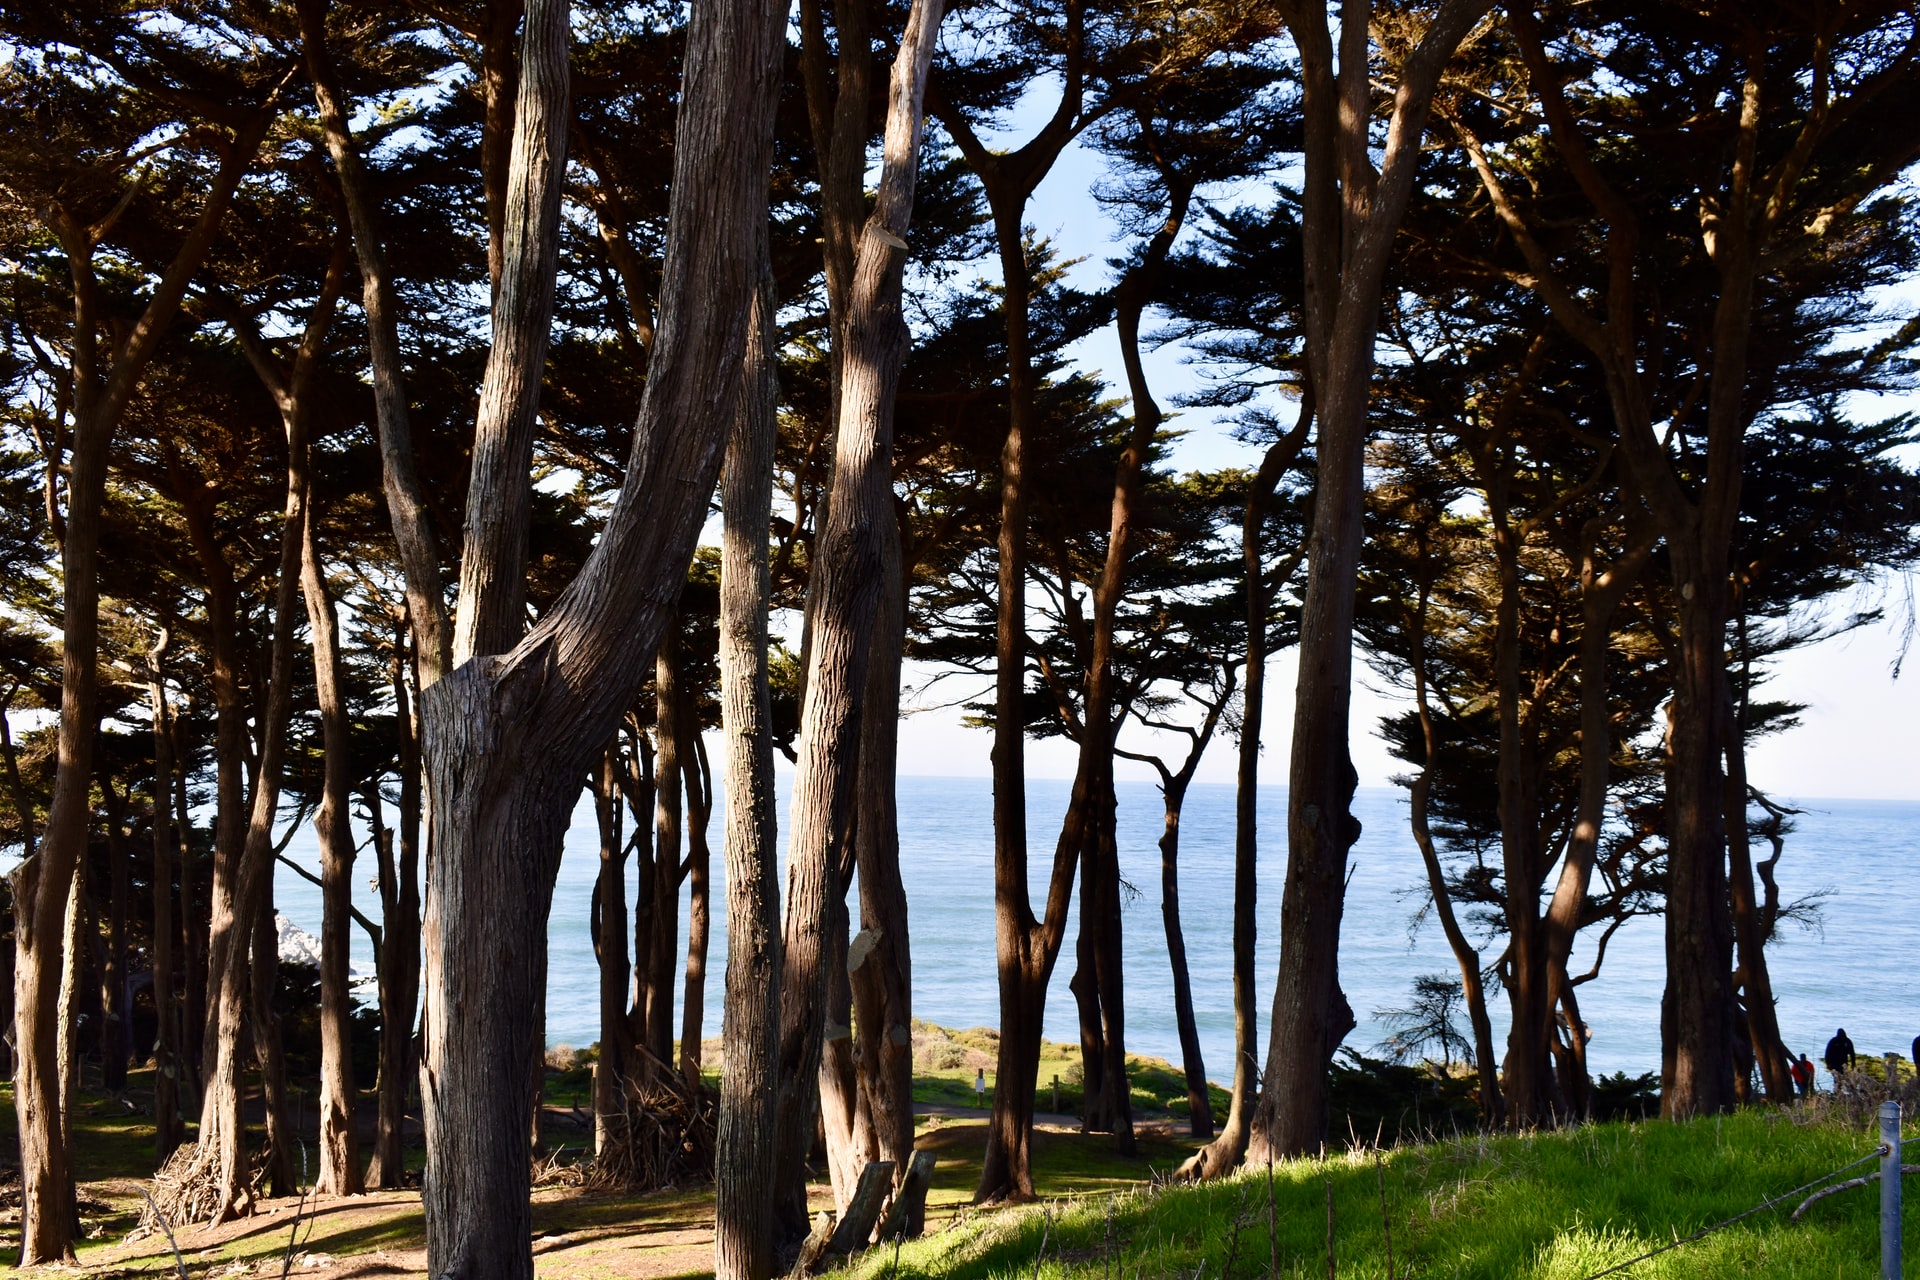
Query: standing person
point(1802, 1071)
point(1839, 1055)
point(1915, 1059)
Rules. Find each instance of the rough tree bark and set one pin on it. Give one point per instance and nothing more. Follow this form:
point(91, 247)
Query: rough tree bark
point(743, 1235)
point(846, 593)
point(103, 383)
point(509, 737)
point(1350, 215)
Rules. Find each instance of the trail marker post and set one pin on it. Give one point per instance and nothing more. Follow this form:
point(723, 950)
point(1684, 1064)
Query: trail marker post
point(1890, 1190)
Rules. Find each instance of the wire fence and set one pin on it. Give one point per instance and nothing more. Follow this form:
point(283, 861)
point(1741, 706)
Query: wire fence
point(1878, 1153)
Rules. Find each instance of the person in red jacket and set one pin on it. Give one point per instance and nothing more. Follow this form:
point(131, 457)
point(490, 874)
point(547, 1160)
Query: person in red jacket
point(1802, 1071)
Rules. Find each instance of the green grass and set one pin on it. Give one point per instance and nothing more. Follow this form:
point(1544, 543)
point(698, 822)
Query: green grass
point(944, 1063)
point(1556, 1206)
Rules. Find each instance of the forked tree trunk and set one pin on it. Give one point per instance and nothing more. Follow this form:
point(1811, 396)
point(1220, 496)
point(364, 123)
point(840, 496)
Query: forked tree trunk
point(103, 383)
point(509, 738)
point(743, 1236)
point(1351, 214)
point(846, 593)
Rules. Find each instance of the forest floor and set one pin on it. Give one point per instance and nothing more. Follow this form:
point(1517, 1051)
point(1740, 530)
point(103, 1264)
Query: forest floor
point(1551, 1206)
point(577, 1233)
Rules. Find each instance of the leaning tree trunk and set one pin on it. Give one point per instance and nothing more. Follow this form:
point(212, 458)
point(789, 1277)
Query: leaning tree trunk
point(743, 1242)
point(508, 738)
point(1472, 987)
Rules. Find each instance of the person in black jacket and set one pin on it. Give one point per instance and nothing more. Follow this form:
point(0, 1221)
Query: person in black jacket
point(1839, 1054)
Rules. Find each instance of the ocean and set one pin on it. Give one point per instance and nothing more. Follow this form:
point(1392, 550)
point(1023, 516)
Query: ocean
point(1858, 966)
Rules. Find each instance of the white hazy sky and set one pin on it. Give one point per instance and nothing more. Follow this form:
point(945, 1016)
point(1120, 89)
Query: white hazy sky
point(1859, 737)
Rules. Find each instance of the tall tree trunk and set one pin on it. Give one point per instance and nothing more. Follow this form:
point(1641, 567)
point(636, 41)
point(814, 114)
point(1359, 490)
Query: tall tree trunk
point(269, 1053)
point(116, 1030)
point(614, 1067)
point(1351, 213)
point(879, 962)
point(242, 908)
point(508, 738)
point(1696, 1014)
point(743, 1235)
point(1600, 594)
point(168, 1131)
point(1756, 982)
point(662, 942)
point(399, 975)
point(699, 790)
point(1224, 1153)
point(340, 1173)
point(406, 496)
point(1526, 1072)
point(193, 929)
point(846, 593)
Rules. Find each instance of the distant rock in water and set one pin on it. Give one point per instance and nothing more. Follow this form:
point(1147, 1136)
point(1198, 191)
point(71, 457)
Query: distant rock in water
point(297, 946)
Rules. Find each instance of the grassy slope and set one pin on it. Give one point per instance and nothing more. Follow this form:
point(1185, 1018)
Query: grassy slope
point(1553, 1207)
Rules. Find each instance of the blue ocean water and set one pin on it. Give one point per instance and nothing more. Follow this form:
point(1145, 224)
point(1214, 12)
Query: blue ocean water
point(1858, 968)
